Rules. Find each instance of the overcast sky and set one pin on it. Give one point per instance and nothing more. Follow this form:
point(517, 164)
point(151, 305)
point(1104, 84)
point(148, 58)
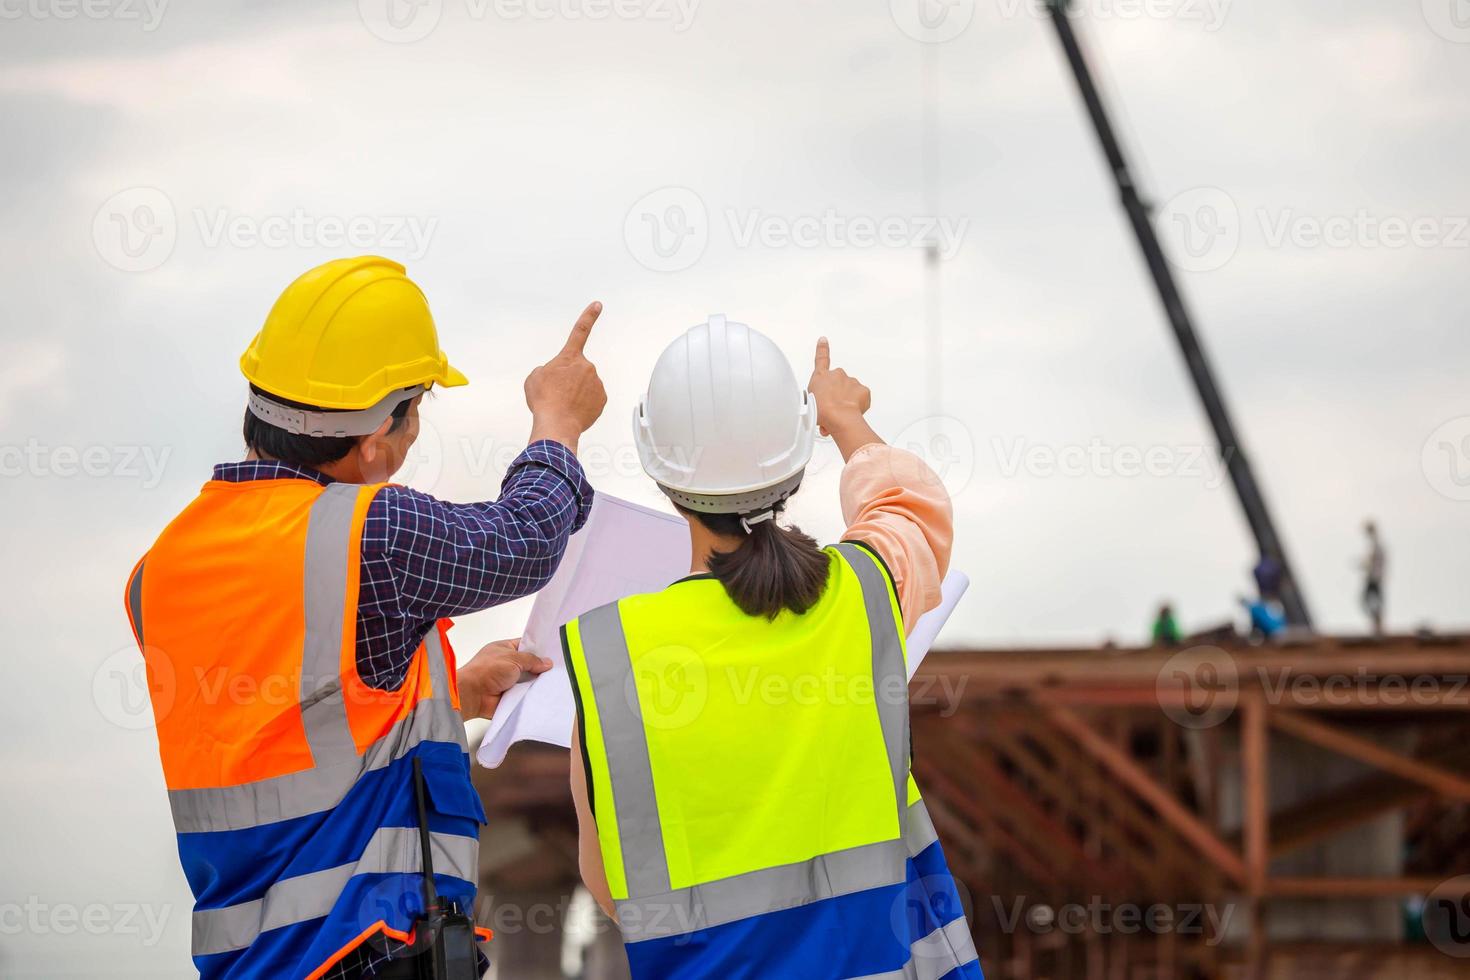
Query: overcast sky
point(168, 168)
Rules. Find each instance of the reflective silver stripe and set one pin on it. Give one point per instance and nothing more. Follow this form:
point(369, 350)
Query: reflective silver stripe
point(135, 602)
point(936, 954)
point(767, 890)
point(918, 829)
point(313, 790)
point(961, 943)
point(890, 677)
point(328, 543)
point(439, 681)
point(610, 669)
point(438, 669)
point(312, 896)
point(788, 886)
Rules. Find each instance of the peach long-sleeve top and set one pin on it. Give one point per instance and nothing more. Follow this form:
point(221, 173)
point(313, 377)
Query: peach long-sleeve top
point(894, 503)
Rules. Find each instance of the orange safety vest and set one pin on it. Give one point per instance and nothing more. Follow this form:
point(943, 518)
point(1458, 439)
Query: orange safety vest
point(290, 779)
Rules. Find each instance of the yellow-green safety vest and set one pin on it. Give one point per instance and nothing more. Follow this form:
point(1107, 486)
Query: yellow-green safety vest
point(750, 783)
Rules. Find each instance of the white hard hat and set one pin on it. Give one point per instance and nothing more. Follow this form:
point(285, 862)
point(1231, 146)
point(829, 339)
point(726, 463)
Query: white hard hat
point(725, 428)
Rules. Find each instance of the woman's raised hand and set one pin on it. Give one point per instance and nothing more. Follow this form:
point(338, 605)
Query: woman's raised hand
point(841, 401)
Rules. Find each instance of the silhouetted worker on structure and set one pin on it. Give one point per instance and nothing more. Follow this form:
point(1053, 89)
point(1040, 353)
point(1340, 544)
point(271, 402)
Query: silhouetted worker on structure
point(1268, 573)
point(1166, 630)
point(1373, 568)
point(1266, 617)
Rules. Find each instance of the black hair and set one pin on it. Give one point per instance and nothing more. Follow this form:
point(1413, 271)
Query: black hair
point(271, 442)
point(774, 569)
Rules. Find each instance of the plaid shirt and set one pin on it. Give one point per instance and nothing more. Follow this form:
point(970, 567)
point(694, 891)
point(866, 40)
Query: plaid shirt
point(424, 559)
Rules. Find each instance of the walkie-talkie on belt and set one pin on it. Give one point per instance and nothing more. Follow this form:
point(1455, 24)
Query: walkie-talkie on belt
point(444, 936)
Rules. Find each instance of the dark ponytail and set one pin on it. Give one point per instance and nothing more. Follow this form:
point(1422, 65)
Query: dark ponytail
point(776, 568)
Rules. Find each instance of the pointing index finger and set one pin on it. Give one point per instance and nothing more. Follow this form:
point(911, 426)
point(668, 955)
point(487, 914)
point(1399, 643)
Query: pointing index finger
point(824, 354)
point(582, 329)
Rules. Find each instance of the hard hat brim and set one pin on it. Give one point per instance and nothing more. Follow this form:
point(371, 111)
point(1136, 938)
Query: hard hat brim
point(453, 377)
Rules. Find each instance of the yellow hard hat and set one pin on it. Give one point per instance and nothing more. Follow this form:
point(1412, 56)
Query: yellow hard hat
point(346, 335)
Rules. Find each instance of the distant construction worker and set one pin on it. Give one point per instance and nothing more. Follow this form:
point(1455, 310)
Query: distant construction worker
point(1266, 619)
point(293, 620)
point(1375, 564)
point(1166, 629)
point(742, 777)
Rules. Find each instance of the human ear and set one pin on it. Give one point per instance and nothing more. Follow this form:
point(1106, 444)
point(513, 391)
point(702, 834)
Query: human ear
point(370, 446)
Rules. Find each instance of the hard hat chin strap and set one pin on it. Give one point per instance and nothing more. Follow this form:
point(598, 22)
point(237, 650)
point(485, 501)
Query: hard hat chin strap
point(326, 424)
point(746, 520)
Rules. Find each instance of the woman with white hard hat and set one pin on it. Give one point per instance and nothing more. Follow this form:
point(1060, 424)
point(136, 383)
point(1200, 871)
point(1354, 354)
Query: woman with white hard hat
point(741, 767)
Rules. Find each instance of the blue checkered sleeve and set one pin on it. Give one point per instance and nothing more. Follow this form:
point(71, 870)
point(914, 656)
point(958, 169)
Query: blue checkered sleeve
point(424, 559)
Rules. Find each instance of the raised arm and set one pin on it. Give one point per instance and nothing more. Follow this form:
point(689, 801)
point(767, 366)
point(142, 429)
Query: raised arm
point(449, 559)
point(453, 559)
point(891, 500)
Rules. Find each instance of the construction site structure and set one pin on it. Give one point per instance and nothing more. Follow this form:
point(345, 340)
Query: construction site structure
point(1227, 812)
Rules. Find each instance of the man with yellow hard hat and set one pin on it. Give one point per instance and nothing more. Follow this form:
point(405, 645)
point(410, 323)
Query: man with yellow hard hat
point(293, 620)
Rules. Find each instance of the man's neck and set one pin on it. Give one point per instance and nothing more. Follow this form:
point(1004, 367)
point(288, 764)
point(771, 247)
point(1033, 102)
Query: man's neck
point(345, 470)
